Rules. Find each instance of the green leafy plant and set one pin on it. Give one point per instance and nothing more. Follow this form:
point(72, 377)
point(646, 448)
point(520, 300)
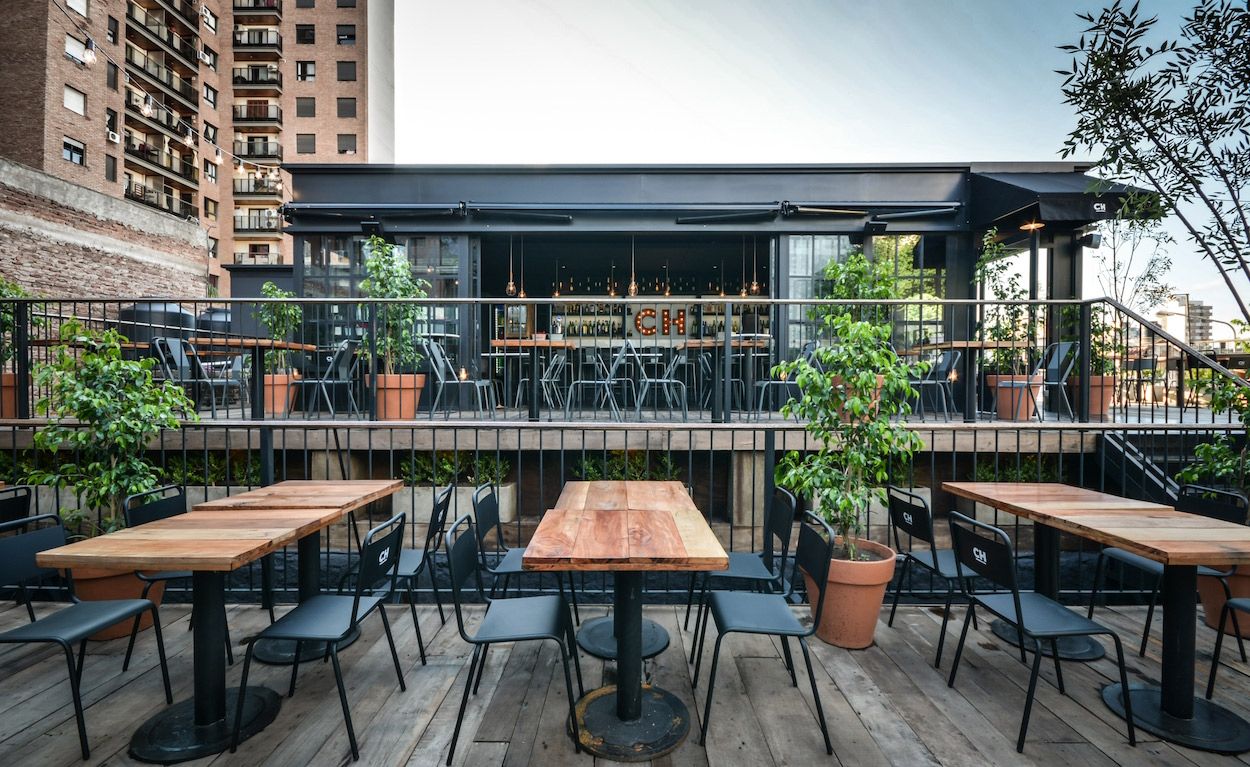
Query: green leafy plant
point(282, 317)
point(1021, 468)
point(441, 468)
point(849, 396)
point(1004, 320)
point(8, 318)
point(103, 411)
point(858, 278)
point(213, 469)
point(488, 469)
point(394, 327)
point(626, 465)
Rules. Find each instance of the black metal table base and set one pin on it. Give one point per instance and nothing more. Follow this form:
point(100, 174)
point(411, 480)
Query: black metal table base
point(172, 736)
point(1070, 648)
point(281, 652)
point(597, 637)
point(1212, 728)
point(664, 724)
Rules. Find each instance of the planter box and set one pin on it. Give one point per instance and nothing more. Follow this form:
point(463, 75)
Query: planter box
point(418, 501)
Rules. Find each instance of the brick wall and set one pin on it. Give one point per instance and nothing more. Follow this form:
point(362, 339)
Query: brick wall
point(23, 41)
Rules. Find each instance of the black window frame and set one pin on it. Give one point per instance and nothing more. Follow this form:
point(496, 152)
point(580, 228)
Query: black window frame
point(344, 34)
point(305, 101)
point(306, 30)
point(338, 71)
point(68, 152)
point(302, 73)
point(299, 143)
point(342, 101)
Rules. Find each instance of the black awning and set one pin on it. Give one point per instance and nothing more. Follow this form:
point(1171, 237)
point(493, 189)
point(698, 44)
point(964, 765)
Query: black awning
point(1072, 198)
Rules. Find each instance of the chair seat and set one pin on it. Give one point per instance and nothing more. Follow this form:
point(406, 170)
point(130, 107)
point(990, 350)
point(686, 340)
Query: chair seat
point(410, 561)
point(1043, 617)
point(323, 617)
point(745, 565)
point(944, 566)
point(508, 563)
point(78, 621)
point(754, 613)
point(522, 618)
point(1153, 567)
point(165, 575)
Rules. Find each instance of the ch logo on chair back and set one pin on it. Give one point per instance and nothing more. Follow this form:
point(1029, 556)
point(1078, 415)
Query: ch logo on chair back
point(383, 555)
point(980, 555)
point(907, 518)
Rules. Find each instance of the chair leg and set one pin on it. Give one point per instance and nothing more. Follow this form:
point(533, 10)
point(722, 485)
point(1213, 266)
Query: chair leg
point(481, 666)
point(1215, 656)
point(130, 645)
point(565, 652)
point(75, 693)
point(82, 659)
point(1099, 572)
point(946, 618)
point(785, 651)
point(416, 624)
point(464, 702)
point(1054, 654)
point(898, 590)
point(699, 618)
point(390, 640)
point(266, 585)
point(1028, 700)
point(711, 685)
point(820, 710)
point(238, 709)
point(299, 646)
point(347, 714)
point(1150, 614)
point(160, 653)
point(572, 594)
point(1128, 702)
point(1241, 644)
point(229, 647)
point(959, 648)
point(438, 600)
point(698, 648)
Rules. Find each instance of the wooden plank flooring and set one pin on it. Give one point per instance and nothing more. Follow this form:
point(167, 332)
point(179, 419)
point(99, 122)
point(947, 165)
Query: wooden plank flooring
point(886, 705)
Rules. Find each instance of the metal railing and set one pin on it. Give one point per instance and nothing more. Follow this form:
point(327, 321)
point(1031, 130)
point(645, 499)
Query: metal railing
point(184, 169)
point(258, 38)
point(258, 149)
point(162, 31)
point(257, 113)
point(161, 74)
point(165, 199)
point(250, 222)
point(256, 76)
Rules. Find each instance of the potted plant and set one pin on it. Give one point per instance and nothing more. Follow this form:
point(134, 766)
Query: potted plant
point(281, 317)
point(8, 324)
point(1104, 347)
point(848, 397)
point(393, 334)
point(1006, 322)
point(103, 412)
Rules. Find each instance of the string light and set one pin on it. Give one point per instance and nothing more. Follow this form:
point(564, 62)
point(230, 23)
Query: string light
point(148, 109)
point(88, 56)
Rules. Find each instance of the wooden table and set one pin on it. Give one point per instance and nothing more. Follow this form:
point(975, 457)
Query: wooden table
point(210, 543)
point(627, 528)
point(968, 364)
point(533, 345)
point(1180, 542)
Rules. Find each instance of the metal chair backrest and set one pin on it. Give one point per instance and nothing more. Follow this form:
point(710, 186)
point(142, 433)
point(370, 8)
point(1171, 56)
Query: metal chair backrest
point(439, 364)
point(486, 514)
point(910, 515)
point(174, 363)
point(1057, 362)
point(438, 519)
point(342, 361)
point(812, 555)
point(624, 350)
point(676, 363)
point(946, 363)
point(379, 562)
point(778, 526)
point(463, 560)
point(14, 503)
point(161, 503)
point(555, 367)
point(1227, 505)
point(984, 550)
point(17, 552)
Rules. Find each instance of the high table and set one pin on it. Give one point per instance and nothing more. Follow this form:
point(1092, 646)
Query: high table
point(209, 544)
point(532, 345)
point(329, 495)
point(722, 366)
point(627, 528)
point(1181, 542)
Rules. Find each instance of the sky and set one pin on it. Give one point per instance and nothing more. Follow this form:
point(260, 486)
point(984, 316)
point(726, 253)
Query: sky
point(746, 81)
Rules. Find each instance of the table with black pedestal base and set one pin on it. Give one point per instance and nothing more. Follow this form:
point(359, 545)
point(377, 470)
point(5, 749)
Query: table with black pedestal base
point(532, 345)
point(627, 528)
point(1180, 542)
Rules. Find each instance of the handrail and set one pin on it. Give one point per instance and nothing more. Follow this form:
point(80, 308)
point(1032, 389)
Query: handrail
point(1166, 336)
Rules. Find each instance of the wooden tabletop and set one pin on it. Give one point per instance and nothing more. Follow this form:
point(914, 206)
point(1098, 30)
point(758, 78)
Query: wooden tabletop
point(1153, 530)
point(624, 526)
point(208, 342)
point(308, 494)
point(719, 343)
point(965, 344)
point(530, 343)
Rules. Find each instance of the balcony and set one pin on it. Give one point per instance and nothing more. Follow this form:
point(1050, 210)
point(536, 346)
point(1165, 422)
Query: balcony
point(155, 159)
point(257, 188)
point(266, 223)
point(258, 80)
point(165, 199)
point(145, 29)
point(161, 119)
point(252, 257)
point(258, 11)
point(266, 117)
point(257, 45)
point(258, 150)
point(185, 11)
point(171, 81)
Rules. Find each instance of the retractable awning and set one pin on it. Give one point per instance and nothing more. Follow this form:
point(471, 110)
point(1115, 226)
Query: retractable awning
point(1071, 198)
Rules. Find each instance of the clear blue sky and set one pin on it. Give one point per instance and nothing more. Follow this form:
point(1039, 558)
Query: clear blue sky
point(743, 81)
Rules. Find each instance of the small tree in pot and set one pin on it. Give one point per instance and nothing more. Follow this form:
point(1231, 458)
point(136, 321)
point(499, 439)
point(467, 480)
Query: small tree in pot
point(850, 391)
point(8, 350)
point(393, 330)
point(281, 317)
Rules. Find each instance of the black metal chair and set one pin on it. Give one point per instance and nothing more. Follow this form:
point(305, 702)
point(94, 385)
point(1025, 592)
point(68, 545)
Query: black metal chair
point(181, 364)
point(445, 375)
point(985, 551)
point(412, 562)
point(140, 509)
point(1231, 608)
point(938, 378)
point(1193, 499)
point(339, 375)
point(506, 620)
point(331, 618)
point(1053, 371)
point(910, 516)
point(762, 570)
point(772, 614)
point(667, 382)
point(500, 560)
point(70, 625)
point(15, 503)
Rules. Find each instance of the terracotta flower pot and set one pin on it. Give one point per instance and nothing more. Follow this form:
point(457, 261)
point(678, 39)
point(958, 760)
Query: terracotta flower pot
point(95, 583)
point(8, 395)
point(278, 391)
point(1101, 394)
point(1212, 595)
point(854, 596)
point(1007, 398)
point(397, 395)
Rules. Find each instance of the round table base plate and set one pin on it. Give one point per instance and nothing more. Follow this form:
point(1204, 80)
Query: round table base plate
point(172, 735)
point(1213, 728)
point(663, 726)
point(281, 652)
point(1070, 648)
point(596, 638)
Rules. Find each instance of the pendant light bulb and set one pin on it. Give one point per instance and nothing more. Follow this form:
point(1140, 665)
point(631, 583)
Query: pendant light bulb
point(89, 55)
point(755, 283)
point(612, 280)
point(510, 289)
point(633, 283)
point(148, 109)
point(521, 292)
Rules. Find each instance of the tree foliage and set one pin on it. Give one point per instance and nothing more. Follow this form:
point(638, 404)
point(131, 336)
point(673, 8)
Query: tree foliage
point(1133, 262)
point(389, 275)
point(282, 317)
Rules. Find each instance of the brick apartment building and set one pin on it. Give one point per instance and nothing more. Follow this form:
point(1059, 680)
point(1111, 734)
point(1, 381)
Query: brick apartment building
point(188, 107)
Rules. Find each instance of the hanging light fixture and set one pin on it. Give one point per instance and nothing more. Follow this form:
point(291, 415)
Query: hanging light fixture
point(722, 277)
point(88, 55)
point(510, 288)
point(668, 285)
point(559, 280)
point(742, 291)
point(148, 108)
point(633, 283)
point(612, 280)
point(755, 283)
point(521, 292)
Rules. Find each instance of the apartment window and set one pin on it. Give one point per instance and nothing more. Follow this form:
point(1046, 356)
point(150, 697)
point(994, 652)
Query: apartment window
point(210, 133)
point(210, 171)
point(110, 120)
point(305, 3)
point(347, 71)
point(306, 71)
point(305, 143)
point(210, 95)
point(77, 5)
point(75, 100)
point(347, 107)
point(110, 168)
point(347, 3)
point(75, 49)
point(305, 34)
point(112, 30)
point(210, 209)
point(212, 247)
point(73, 151)
point(305, 106)
point(110, 75)
point(210, 19)
point(347, 143)
point(210, 57)
point(345, 34)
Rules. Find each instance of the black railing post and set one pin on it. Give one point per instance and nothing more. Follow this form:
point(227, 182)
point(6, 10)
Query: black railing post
point(373, 360)
point(1087, 358)
point(727, 366)
point(21, 340)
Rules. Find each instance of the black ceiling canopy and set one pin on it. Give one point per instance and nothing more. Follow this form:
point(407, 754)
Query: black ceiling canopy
point(1058, 198)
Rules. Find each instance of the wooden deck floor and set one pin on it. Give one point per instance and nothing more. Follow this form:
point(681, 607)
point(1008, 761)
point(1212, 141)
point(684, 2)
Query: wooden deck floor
point(885, 705)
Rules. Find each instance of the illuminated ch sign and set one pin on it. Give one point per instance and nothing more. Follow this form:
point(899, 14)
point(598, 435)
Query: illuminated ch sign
point(644, 322)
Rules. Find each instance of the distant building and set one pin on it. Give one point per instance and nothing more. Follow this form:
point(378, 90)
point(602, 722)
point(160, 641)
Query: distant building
point(1198, 324)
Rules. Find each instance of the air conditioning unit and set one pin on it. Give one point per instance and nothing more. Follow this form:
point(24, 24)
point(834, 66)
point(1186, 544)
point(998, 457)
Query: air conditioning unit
point(204, 57)
point(114, 138)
